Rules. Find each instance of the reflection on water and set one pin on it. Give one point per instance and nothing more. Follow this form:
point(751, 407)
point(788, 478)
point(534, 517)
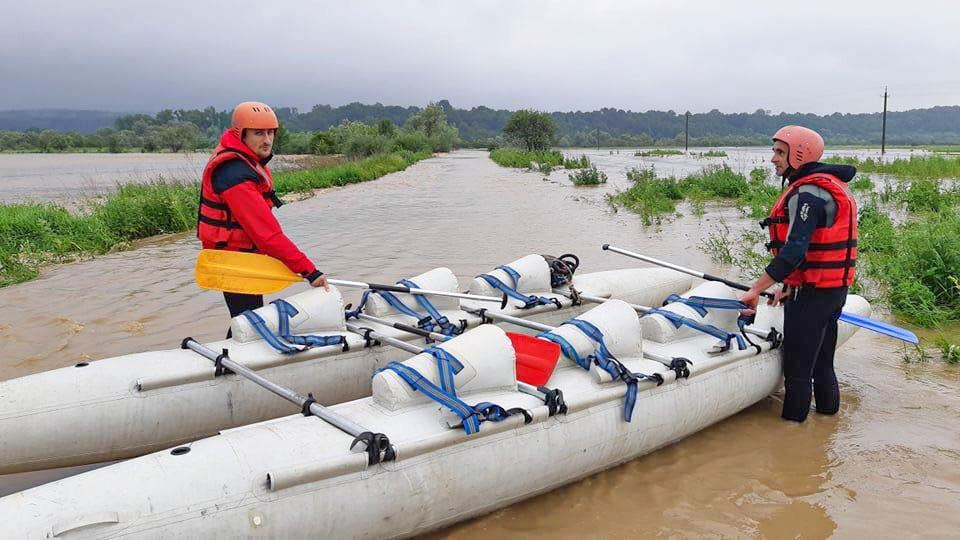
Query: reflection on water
point(887, 462)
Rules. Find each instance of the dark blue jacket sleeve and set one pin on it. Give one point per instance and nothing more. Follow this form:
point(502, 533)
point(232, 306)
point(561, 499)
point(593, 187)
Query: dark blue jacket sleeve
point(805, 217)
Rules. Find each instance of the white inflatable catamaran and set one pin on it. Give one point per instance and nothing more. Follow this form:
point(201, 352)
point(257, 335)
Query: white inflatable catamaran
point(134, 404)
point(445, 435)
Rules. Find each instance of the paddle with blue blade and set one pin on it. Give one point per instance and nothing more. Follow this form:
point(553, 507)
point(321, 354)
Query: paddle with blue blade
point(867, 323)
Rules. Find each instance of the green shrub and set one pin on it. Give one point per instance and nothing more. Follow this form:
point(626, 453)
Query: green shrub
point(590, 176)
point(861, 183)
point(581, 163)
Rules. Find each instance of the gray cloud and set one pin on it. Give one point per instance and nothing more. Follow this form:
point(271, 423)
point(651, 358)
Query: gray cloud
point(813, 56)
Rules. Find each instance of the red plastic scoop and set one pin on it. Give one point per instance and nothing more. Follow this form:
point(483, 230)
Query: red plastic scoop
point(536, 358)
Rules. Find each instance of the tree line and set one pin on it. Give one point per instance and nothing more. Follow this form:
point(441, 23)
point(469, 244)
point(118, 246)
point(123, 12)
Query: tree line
point(190, 129)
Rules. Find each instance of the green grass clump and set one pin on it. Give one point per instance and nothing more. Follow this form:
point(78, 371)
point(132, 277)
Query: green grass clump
point(919, 267)
point(142, 210)
point(33, 235)
point(923, 167)
point(715, 182)
point(524, 159)
point(590, 176)
point(948, 350)
point(861, 183)
point(649, 196)
point(576, 163)
point(658, 152)
point(923, 195)
point(714, 153)
point(760, 195)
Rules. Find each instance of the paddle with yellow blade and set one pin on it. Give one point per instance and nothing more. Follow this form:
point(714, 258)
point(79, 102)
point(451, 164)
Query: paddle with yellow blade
point(253, 273)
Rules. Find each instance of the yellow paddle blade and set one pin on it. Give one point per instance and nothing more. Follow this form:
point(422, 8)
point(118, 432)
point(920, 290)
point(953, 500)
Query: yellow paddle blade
point(247, 273)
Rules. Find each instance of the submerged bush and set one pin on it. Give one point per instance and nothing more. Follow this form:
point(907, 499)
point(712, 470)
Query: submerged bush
point(580, 163)
point(861, 183)
point(590, 176)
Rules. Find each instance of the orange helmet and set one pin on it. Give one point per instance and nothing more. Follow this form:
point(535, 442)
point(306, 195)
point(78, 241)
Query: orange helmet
point(804, 145)
point(252, 115)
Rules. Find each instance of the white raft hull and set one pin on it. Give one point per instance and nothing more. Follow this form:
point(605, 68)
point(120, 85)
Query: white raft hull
point(292, 477)
point(131, 405)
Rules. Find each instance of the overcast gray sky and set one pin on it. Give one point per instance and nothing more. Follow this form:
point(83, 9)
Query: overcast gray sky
point(810, 56)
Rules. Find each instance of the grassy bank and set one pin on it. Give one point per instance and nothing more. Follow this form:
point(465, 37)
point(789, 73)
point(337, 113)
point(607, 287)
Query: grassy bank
point(929, 167)
point(35, 235)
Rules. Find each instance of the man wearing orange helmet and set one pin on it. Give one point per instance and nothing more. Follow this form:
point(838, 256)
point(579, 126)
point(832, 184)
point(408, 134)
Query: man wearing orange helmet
point(237, 198)
point(813, 240)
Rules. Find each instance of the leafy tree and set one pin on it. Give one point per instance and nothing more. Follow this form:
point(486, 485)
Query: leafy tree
point(531, 129)
point(386, 127)
point(281, 140)
point(430, 120)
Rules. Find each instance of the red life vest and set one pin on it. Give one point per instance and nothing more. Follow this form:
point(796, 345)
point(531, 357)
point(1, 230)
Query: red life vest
point(216, 226)
point(832, 254)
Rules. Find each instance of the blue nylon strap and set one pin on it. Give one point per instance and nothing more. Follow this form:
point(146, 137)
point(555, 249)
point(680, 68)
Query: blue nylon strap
point(395, 303)
point(568, 350)
point(702, 303)
point(679, 320)
point(466, 413)
point(603, 358)
point(447, 367)
point(448, 329)
point(528, 300)
point(283, 338)
point(272, 339)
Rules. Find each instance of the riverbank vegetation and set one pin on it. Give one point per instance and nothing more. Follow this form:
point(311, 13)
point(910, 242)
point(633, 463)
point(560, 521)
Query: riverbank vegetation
point(652, 197)
point(930, 167)
point(658, 152)
point(35, 235)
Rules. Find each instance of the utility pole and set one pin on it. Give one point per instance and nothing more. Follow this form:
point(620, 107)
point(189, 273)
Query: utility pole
point(598, 138)
point(883, 134)
point(686, 133)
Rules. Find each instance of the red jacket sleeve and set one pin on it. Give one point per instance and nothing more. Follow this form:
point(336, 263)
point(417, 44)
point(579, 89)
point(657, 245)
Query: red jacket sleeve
point(255, 216)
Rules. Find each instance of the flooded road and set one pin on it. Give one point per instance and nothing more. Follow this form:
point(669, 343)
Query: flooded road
point(889, 463)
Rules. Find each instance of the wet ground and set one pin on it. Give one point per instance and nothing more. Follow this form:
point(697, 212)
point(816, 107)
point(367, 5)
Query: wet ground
point(887, 465)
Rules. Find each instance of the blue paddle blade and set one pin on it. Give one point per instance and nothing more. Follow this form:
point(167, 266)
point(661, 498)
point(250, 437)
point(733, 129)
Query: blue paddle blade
point(880, 327)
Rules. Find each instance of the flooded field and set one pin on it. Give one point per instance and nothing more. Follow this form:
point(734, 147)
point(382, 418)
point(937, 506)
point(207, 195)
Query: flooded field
point(67, 177)
point(887, 465)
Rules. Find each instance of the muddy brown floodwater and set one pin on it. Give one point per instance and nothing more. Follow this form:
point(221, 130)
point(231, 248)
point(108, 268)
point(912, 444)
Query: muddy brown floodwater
point(887, 465)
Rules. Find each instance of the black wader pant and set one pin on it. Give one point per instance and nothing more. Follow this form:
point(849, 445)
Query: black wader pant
point(809, 343)
point(237, 303)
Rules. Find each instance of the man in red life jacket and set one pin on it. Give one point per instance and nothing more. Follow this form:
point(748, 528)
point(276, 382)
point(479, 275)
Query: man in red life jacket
point(813, 238)
point(237, 199)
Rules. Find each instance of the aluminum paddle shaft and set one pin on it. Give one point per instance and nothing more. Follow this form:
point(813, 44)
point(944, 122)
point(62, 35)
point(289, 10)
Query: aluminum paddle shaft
point(340, 422)
point(682, 269)
point(413, 290)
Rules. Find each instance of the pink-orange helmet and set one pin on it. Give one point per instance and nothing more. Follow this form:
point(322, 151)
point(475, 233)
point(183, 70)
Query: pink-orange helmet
point(804, 144)
point(252, 115)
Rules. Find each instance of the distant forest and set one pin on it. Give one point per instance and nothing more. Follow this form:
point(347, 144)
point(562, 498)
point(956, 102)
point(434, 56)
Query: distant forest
point(481, 126)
